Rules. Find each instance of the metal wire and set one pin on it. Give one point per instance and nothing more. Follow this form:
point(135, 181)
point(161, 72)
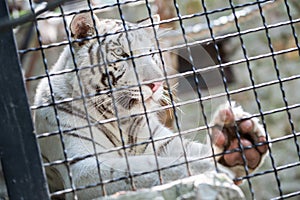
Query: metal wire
point(170, 93)
point(196, 80)
point(73, 190)
point(83, 99)
point(254, 90)
point(221, 70)
point(283, 92)
point(214, 28)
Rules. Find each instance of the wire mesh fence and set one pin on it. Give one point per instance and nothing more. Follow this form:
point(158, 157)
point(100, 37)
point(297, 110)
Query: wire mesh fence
point(132, 94)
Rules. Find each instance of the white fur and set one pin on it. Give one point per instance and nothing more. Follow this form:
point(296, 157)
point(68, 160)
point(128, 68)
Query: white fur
point(85, 172)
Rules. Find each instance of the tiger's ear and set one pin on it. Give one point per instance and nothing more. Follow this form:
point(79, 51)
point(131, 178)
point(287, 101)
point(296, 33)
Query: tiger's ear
point(82, 26)
point(147, 21)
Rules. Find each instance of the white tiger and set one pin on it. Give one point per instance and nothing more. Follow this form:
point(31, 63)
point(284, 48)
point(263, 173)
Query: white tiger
point(95, 127)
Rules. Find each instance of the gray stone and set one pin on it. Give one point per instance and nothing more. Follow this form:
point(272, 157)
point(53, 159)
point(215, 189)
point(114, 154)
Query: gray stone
point(208, 186)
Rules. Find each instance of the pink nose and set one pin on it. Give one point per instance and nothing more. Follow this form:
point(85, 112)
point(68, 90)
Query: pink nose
point(154, 86)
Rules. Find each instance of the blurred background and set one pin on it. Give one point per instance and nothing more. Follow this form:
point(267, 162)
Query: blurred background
point(271, 55)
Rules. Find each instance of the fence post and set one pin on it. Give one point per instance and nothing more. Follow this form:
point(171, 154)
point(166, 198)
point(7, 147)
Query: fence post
point(19, 153)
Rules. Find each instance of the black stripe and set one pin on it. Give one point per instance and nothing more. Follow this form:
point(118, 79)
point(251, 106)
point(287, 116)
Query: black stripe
point(91, 57)
point(98, 55)
point(162, 148)
point(134, 124)
point(132, 134)
point(152, 133)
point(84, 138)
point(119, 37)
point(98, 52)
point(99, 68)
point(135, 132)
point(113, 78)
point(120, 76)
point(79, 113)
point(103, 79)
point(109, 135)
point(94, 87)
point(155, 129)
point(69, 109)
point(102, 109)
point(139, 121)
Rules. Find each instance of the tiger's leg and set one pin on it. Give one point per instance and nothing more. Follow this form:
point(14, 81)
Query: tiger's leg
point(245, 150)
point(143, 173)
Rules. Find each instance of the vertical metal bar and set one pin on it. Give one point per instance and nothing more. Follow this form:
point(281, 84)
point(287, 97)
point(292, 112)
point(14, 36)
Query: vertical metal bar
point(229, 98)
point(21, 161)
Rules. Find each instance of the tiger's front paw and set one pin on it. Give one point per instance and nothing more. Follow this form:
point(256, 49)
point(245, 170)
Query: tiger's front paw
point(242, 140)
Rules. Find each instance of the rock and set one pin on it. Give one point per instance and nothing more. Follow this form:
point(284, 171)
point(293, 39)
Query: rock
point(211, 185)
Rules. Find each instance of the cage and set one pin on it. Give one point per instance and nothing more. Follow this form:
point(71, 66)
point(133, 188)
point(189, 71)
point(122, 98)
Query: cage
point(70, 131)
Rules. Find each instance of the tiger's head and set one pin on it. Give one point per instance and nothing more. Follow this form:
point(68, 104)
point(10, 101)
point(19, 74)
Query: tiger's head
point(119, 59)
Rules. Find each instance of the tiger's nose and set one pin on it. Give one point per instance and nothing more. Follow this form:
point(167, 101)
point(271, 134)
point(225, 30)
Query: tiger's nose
point(154, 86)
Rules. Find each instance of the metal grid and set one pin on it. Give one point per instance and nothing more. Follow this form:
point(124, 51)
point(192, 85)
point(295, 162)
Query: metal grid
point(213, 30)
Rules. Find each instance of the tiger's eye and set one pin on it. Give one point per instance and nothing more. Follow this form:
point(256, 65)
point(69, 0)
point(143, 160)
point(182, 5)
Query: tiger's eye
point(120, 52)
